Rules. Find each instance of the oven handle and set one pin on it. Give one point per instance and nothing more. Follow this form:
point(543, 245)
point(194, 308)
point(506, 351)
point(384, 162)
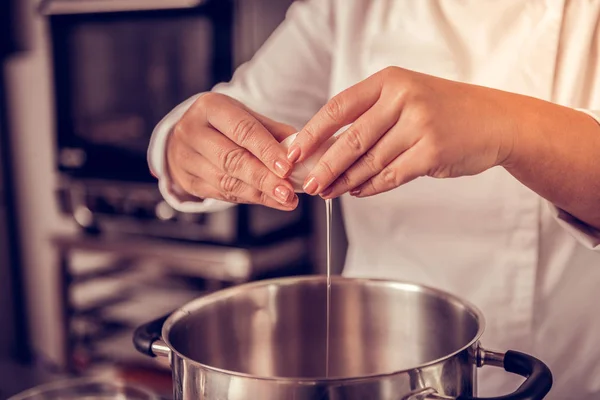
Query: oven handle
point(58, 7)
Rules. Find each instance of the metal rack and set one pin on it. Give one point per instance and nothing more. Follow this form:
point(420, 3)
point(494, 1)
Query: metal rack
point(113, 284)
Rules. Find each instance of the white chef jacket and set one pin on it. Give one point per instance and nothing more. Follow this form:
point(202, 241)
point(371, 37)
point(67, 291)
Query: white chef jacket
point(532, 269)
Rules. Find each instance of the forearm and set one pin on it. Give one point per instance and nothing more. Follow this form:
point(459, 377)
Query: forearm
point(556, 153)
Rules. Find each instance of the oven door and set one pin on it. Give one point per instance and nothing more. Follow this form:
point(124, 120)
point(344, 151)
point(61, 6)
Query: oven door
point(117, 73)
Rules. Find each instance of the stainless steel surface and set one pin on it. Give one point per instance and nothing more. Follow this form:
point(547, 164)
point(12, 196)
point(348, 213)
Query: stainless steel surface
point(49, 7)
point(206, 261)
point(123, 201)
point(266, 340)
point(427, 394)
point(488, 357)
point(377, 327)
point(86, 388)
point(160, 349)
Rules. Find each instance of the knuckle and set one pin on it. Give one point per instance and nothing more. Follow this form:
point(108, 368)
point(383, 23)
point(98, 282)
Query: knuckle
point(262, 198)
point(370, 161)
point(244, 130)
point(390, 177)
point(269, 152)
point(229, 184)
point(233, 160)
point(389, 70)
point(179, 131)
point(208, 98)
point(327, 168)
point(334, 109)
point(371, 187)
point(309, 134)
point(397, 99)
point(354, 140)
point(260, 180)
point(345, 180)
point(422, 114)
point(231, 198)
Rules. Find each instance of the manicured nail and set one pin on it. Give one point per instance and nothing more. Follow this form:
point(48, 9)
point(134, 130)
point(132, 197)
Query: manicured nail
point(311, 186)
point(326, 192)
point(293, 154)
point(282, 168)
point(354, 192)
point(282, 193)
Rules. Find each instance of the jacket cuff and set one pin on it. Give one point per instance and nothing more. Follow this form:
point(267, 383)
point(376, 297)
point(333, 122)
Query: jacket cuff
point(173, 195)
point(584, 233)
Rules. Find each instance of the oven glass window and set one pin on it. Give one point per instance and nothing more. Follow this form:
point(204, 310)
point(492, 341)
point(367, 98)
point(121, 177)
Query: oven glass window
point(118, 74)
point(126, 77)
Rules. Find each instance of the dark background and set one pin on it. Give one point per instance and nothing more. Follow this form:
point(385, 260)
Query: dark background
point(50, 262)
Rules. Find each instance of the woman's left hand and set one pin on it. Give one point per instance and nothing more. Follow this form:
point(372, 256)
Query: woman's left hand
point(405, 125)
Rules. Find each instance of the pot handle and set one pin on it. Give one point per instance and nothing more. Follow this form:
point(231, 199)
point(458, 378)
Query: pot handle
point(146, 335)
point(538, 376)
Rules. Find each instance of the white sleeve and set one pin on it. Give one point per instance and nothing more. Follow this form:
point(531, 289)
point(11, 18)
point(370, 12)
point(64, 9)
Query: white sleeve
point(287, 80)
point(584, 233)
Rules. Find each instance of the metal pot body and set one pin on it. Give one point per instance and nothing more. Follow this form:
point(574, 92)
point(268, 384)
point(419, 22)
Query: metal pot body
point(272, 340)
point(451, 377)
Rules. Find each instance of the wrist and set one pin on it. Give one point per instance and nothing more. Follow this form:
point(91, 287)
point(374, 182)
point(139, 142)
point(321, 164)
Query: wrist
point(541, 128)
point(526, 117)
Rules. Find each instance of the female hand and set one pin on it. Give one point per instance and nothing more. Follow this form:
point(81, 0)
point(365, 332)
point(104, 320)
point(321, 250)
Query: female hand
point(222, 150)
point(405, 125)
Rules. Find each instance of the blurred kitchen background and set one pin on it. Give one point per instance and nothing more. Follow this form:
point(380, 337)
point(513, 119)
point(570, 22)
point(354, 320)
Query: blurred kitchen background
point(88, 250)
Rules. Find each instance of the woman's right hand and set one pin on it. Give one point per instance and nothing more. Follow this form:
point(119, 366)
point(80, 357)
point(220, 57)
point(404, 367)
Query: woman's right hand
point(222, 150)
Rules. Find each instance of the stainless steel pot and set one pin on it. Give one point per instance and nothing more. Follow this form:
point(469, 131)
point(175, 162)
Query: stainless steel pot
point(388, 340)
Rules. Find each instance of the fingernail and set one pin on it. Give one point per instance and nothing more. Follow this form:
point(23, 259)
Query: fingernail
point(282, 168)
point(354, 192)
point(282, 193)
point(311, 186)
point(326, 192)
point(293, 154)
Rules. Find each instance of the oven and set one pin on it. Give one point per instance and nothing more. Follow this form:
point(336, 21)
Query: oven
point(119, 66)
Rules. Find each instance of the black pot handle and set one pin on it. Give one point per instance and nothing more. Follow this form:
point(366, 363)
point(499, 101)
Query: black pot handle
point(538, 380)
point(145, 335)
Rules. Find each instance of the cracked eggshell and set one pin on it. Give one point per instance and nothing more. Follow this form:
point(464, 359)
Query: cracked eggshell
point(302, 169)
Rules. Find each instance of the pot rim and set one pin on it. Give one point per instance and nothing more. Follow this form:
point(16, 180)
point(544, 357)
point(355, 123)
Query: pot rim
point(200, 302)
point(76, 383)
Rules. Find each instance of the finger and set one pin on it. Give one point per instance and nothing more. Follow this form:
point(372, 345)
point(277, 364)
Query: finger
point(227, 184)
point(410, 165)
point(349, 147)
point(240, 194)
point(241, 127)
point(196, 186)
point(389, 147)
point(340, 111)
point(237, 162)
